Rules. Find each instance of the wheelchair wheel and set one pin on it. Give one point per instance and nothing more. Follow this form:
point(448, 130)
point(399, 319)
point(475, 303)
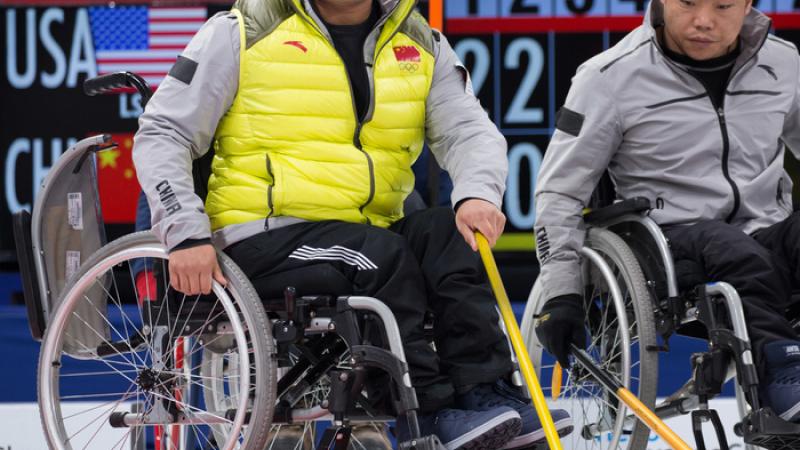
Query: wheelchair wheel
point(600, 419)
point(120, 364)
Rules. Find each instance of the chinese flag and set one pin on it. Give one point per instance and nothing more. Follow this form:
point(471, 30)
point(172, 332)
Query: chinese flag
point(116, 179)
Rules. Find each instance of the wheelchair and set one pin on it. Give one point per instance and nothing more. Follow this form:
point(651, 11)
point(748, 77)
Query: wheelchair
point(634, 303)
point(126, 359)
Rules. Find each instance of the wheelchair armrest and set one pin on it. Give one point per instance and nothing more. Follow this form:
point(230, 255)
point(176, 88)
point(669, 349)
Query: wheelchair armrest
point(27, 269)
point(631, 205)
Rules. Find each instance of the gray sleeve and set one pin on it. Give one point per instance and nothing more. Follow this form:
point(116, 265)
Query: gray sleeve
point(178, 126)
point(460, 135)
point(588, 133)
point(791, 126)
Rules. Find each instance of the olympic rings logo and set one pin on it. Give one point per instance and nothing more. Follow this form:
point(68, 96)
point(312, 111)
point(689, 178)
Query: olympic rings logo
point(409, 66)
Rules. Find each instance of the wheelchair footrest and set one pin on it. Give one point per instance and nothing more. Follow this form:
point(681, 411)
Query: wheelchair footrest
point(766, 429)
point(424, 443)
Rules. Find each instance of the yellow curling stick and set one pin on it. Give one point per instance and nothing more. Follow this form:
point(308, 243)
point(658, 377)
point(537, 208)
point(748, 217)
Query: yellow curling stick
point(639, 409)
point(550, 432)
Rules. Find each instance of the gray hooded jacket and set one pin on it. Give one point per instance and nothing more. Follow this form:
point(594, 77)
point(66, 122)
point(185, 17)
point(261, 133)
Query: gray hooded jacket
point(181, 118)
point(652, 124)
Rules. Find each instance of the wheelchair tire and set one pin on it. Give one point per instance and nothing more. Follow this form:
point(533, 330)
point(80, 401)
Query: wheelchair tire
point(133, 358)
point(600, 420)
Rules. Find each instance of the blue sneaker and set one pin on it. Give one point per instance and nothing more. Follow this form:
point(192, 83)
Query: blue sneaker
point(782, 388)
point(468, 430)
point(487, 396)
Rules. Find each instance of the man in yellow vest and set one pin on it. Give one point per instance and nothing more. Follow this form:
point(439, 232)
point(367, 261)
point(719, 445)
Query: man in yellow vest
point(316, 110)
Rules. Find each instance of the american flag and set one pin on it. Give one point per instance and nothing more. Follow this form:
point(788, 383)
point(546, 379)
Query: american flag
point(141, 39)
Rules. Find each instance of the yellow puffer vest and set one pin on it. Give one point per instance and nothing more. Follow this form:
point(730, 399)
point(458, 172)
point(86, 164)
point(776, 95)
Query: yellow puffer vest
point(291, 145)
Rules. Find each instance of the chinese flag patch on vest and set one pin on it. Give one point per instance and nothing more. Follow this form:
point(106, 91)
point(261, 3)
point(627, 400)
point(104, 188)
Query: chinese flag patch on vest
point(407, 53)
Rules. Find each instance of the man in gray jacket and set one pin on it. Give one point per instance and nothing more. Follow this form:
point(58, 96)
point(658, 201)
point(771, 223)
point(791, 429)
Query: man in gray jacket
point(693, 110)
point(316, 110)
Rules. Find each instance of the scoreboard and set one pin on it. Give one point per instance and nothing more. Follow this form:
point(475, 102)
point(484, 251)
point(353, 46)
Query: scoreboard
point(521, 55)
point(548, 9)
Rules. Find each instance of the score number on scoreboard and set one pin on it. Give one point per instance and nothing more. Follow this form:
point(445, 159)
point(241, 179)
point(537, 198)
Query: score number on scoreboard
point(514, 90)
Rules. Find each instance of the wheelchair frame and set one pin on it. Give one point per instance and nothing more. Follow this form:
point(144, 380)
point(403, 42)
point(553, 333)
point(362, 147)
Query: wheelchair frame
point(722, 314)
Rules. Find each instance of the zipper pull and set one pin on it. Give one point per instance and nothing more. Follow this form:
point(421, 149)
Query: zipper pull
point(721, 115)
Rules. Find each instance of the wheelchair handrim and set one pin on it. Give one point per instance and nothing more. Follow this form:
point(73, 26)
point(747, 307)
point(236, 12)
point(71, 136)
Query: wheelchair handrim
point(52, 346)
point(644, 365)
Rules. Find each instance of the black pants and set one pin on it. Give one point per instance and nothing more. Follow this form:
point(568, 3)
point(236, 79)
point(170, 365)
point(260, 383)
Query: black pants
point(421, 263)
point(763, 267)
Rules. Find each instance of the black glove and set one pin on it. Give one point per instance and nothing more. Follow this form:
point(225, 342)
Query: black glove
point(560, 324)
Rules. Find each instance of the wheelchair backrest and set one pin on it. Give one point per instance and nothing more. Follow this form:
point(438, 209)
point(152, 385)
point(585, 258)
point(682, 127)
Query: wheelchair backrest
point(67, 227)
